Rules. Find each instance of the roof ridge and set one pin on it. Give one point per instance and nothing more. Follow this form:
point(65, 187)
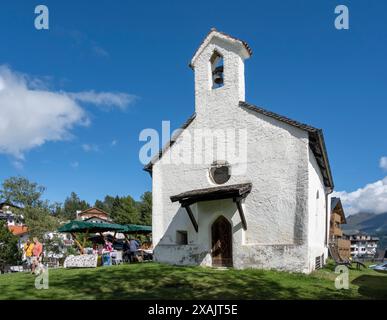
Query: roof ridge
point(244, 43)
point(316, 139)
point(148, 167)
point(278, 116)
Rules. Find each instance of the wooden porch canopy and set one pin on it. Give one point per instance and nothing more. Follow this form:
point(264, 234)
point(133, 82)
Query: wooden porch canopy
point(237, 192)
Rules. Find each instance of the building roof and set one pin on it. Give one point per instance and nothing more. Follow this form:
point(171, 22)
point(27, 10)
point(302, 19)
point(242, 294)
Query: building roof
point(316, 141)
point(6, 203)
point(94, 210)
point(221, 192)
point(96, 218)
point(222, 35)
point(158, 156)
point(18, 230)
point(337, 207)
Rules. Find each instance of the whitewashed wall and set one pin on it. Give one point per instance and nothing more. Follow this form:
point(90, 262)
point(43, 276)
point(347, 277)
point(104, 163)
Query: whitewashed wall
point(277, 165)
point(317, 212)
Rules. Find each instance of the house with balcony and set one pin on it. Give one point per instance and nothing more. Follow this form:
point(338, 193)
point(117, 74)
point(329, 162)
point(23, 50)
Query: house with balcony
point(337, 240)
point(8, 216)
point(363, 245)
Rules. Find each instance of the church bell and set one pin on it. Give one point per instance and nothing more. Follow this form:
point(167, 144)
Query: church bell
point(217, 75)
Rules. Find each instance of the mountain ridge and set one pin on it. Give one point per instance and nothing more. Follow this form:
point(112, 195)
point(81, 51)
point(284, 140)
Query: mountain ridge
point(369, 223)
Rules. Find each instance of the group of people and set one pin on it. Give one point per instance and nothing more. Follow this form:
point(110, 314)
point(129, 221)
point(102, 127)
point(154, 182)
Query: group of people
point(130, 248)
point(33, 251)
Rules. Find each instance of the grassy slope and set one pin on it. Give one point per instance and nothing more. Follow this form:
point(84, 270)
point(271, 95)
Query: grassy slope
point(156, 281)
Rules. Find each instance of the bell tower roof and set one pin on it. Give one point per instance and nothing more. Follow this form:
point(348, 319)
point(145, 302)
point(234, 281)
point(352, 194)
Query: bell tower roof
point(244, 49)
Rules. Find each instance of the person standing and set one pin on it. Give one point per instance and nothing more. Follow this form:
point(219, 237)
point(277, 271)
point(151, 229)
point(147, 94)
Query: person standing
point(133, 247)
point(28, 252)
point(37, 254)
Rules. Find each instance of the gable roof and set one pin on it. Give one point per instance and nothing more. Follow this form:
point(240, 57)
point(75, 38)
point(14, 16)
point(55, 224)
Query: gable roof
point(3, 204)
point(177, 134)
point(18, 230)
point(336, 206)
point(222, 35)
point(93, 210)
point(316, 141)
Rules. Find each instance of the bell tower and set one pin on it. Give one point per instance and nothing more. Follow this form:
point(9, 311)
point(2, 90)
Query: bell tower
point(218, 65)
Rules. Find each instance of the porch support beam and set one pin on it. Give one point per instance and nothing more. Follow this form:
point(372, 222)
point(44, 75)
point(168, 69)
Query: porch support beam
point(238, 202)
point(191, 215)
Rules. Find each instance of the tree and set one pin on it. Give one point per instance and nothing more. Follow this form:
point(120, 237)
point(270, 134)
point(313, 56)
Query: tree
point(145, 208)
point(124, 211)
point(56, 209)
point(72, 204)
point(99, 204)
point(20, 191)
point(105, 205)
point(27, 195)
point(9, 251)
point(54, 245)
point(39, 221)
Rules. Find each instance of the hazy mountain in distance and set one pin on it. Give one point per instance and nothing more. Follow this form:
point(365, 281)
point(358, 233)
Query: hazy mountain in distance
point(369, 223)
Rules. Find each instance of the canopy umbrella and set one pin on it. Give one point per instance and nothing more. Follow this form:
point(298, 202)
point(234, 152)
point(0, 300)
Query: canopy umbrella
point(84, 226)
point(136, 228)
point(77, 226)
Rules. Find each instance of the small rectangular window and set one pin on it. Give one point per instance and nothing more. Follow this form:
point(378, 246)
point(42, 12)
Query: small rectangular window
point(318, 263)
point(181, 237)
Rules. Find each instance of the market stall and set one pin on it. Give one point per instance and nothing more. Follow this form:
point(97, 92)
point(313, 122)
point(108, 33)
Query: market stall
point(77, 226)
point(96, 232)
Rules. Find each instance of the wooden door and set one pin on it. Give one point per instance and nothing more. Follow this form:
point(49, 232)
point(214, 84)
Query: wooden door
point(221, 232)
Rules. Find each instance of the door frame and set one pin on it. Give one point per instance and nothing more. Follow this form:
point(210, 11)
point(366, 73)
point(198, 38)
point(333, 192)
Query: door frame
point(230, 241)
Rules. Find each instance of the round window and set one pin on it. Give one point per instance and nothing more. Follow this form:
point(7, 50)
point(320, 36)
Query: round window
point(220, 172)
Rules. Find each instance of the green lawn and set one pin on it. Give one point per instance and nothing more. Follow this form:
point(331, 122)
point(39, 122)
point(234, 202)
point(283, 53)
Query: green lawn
point(158, 281)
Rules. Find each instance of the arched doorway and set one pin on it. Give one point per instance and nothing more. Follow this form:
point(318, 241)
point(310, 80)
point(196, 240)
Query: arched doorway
point(221, 232)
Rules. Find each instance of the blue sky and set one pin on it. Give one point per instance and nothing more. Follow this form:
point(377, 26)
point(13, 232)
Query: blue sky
point(302, 67)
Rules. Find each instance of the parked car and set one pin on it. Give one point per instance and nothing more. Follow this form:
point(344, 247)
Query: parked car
point(379, 268)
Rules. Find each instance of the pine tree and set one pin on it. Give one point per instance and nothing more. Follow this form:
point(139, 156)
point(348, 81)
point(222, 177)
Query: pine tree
point(145, 208)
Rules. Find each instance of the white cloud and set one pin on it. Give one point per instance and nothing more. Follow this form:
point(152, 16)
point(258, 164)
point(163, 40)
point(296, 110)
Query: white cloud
point(371, 198)
point(99, 51)
point(31, 114)
point(29, 118)
point(83, 43)
point(74, 164)
point(383, 163)
point(104, 99)
point(18, 165)
point(90, 147)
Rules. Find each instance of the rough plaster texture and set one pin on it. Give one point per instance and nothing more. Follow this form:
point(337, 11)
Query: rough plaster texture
point(285, 223)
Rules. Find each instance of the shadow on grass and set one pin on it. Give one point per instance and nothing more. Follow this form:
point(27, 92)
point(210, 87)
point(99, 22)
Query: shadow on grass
point(168, 282)
point(372, 286)
point(159, 281)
